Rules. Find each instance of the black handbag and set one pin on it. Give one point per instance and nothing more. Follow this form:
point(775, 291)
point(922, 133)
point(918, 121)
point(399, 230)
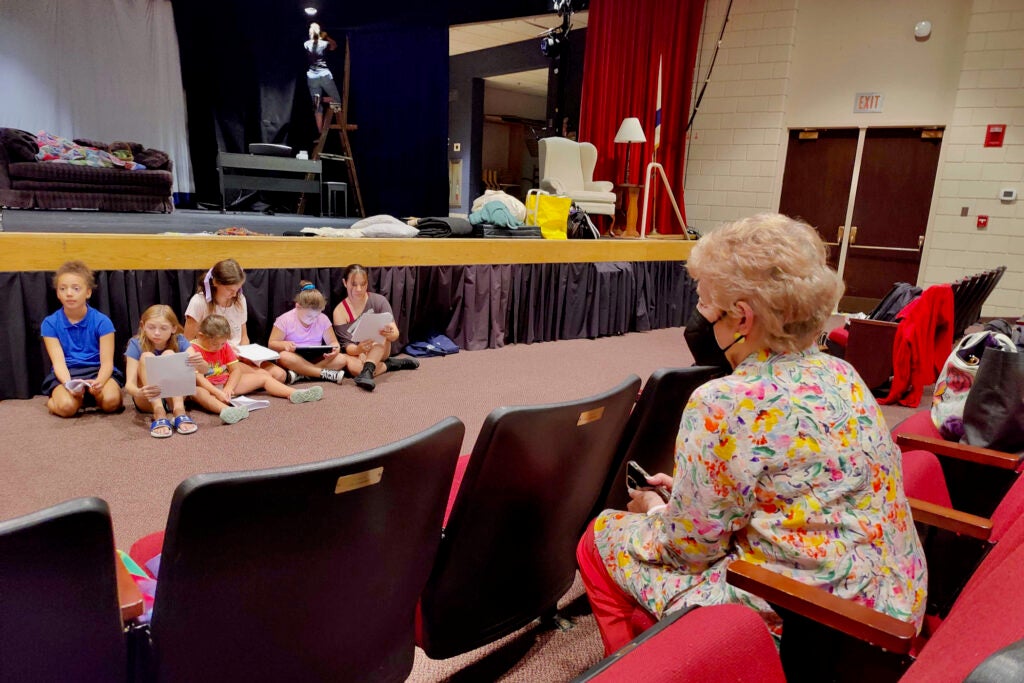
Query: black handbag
point(994, 411)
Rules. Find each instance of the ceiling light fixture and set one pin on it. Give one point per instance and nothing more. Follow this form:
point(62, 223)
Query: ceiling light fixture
point(310, 11)
point(550, 43)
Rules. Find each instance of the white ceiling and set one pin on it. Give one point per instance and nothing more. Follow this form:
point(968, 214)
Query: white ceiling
point(527, 82)
point(471, 37)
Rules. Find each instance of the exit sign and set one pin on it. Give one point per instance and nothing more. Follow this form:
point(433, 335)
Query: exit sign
point(868, 103)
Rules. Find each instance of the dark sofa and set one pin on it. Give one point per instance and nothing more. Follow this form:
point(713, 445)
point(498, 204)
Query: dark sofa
point(26, 183)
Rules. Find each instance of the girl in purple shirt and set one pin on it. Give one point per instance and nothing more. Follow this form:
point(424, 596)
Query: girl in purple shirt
point(303, 326)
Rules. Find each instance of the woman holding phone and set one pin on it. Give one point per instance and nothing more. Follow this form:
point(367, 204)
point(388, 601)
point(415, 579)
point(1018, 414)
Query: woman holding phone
point(785, 463)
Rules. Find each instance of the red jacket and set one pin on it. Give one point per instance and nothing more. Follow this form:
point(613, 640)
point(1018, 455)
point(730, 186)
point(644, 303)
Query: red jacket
point(924, 340)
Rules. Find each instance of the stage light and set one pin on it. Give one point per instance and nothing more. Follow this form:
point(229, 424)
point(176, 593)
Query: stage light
point(311, 11)
point(550, 43)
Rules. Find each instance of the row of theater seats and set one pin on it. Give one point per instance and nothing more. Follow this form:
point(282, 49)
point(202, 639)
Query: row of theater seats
point(867, 344)
point(334, 570)
point(968, 505)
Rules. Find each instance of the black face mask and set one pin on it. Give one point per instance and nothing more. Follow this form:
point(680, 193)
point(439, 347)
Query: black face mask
point(700, 337)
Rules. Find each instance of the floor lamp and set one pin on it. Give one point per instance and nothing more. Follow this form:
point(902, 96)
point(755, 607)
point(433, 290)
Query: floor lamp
point(647, 191)
point(630, 131)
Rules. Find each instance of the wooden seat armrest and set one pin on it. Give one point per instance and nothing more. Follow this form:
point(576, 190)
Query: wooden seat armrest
point(867, 322)
point(960, 451)
point(949, 519)
point(846, 616)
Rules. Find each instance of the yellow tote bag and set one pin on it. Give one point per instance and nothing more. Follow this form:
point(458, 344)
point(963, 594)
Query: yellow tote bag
point(550, 212)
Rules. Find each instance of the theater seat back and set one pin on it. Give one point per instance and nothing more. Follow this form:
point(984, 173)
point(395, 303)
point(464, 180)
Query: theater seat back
point(650, 434)
point(59, 613)
point(508, 552)
point(304, 573)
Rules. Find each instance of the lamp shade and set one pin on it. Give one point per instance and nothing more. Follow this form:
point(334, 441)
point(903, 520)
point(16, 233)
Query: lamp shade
point(630, 131)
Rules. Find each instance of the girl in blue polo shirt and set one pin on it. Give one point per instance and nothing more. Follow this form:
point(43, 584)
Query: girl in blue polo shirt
point(80, 342)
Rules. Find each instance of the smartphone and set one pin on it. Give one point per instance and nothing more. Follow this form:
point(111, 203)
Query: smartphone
point(636, 480)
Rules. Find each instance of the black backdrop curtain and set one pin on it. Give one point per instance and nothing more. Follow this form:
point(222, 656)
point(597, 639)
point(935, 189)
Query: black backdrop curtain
point(479, 306)
point(243, 71)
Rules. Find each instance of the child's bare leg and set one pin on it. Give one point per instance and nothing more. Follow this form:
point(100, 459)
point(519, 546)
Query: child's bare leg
point(276, 371)
point(177, 405)
point(144, 404)
point(208, 401)
point(275, 388)
point(228, 413)
point(159, 411)
point(377, 354)
point(339, 363)
point(248, 368)
point(254, 381)
point(141, 402)
point(63, 403)
point(294, 361)
point(110, 400)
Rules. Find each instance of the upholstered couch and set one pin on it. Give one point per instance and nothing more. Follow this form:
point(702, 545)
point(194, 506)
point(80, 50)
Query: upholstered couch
point(26, 183)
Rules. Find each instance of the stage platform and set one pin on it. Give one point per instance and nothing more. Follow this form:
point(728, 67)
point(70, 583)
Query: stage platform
point(482, 293)
point(186, 221)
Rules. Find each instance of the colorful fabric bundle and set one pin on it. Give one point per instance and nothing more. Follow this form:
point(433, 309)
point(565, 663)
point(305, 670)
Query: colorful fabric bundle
point(61, 150)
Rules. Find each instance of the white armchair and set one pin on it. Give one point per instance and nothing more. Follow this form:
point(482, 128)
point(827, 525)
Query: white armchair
point(567, 168)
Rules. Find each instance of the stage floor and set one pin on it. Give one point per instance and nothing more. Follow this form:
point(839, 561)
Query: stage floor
point(183, 221)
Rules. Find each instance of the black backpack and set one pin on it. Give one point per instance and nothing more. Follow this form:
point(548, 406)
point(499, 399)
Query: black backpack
point(579, 225)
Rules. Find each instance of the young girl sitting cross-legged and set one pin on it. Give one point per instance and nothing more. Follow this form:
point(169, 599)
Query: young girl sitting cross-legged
point(225, 379)
point(366, 359)
point(306, 325)
point(80, 343)
point(159, 333)
point(220, 292)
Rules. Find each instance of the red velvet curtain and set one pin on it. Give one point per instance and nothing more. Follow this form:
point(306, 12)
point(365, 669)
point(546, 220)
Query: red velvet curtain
point(626, 40)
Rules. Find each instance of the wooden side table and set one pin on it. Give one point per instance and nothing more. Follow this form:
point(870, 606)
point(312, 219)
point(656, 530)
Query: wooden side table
point(630, 193)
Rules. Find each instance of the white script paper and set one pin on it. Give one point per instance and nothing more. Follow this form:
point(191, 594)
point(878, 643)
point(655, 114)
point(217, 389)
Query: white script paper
point(172, 373)
point(257, 353)
point(250, 403)
point(369, 325)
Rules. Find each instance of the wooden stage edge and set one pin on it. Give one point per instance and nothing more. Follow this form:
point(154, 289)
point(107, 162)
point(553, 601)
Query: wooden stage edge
point(46, 251)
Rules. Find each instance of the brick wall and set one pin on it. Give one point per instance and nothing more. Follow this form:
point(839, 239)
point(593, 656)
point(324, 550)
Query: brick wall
point(991, 90)
point(736, 151)
point(736, 140)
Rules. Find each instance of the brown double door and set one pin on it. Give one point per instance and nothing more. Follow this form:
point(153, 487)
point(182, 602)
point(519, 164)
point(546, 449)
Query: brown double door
point(895, 179)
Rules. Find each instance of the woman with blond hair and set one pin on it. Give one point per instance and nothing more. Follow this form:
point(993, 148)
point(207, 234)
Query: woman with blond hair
point(785, 462)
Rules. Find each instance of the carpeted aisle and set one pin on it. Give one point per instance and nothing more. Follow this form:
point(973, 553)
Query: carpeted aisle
point(46, 460)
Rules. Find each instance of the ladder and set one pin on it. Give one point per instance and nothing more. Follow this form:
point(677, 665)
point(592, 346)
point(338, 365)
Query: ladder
point(337, 119)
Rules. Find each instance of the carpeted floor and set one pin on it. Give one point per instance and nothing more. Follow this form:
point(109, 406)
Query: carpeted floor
point(46, 460)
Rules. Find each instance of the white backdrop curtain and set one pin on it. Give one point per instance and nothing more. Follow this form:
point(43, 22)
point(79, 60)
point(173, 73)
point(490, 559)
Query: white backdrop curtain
point(104, 70)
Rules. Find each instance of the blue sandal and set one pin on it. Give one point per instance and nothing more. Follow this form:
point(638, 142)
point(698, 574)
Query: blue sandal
point(157, 424)
point(185, 420)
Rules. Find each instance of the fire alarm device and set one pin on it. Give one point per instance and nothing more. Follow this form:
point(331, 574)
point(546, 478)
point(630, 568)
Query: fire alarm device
point(982, 221)
point(994, 134)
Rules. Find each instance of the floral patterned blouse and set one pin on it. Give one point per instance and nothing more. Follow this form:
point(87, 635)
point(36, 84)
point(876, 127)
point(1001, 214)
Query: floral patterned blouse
point(786, 463)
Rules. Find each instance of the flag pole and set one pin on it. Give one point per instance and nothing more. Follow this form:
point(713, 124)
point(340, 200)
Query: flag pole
point(657, 144)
